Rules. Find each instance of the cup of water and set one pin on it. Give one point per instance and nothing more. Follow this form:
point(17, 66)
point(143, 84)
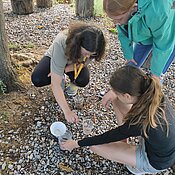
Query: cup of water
point(88, 126)
point(66, 136)
point(59, 130)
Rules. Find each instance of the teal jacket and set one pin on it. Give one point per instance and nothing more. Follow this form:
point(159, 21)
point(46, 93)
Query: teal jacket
point(154, 23)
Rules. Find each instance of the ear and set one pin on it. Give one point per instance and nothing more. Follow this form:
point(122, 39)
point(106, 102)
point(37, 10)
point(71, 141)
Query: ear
point(128, 97)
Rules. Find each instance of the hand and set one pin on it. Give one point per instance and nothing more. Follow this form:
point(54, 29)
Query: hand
point(71, 117)
point(49, 75)
point(69, 145)
point(132, 61)
point(108, 98)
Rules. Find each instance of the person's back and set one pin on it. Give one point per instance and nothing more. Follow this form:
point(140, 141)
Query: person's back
point(160, 145)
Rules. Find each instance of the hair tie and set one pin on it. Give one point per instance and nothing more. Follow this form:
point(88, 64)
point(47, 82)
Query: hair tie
point(146, 83)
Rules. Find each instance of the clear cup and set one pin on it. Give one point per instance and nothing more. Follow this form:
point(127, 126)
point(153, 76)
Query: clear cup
point(66, 136)
point(78, 100)
point(88, 126)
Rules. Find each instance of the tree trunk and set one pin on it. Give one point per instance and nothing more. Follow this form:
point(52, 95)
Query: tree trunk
point(7, 74)
point(84, 8)
point(44, 3)
point(22, 7)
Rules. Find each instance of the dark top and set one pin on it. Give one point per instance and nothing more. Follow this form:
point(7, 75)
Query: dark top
point(160, 148)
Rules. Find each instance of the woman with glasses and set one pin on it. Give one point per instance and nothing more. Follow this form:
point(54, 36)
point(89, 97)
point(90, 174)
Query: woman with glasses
point(69, 54)
point(145, 26)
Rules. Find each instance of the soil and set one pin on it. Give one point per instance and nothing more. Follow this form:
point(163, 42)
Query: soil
point(14, 105)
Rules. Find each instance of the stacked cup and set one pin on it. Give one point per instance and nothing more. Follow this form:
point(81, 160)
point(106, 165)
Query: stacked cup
point(59, 130)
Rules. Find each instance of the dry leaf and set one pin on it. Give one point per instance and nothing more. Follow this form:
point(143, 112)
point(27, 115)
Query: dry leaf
point(40, 27)
point(65, 168)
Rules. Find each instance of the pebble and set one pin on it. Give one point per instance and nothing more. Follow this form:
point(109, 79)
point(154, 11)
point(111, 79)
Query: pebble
point(3, 165)
point(10, 167)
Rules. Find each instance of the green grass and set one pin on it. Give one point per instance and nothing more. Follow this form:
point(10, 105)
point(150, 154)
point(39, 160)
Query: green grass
point(3, 116)
point(98, 8)
point(30, 45)
point(14, 46)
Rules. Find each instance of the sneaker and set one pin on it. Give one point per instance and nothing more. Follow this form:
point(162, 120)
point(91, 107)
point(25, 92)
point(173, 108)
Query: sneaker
point(71, 90)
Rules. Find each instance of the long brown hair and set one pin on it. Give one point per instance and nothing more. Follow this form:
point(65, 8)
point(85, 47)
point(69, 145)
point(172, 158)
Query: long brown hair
point(87, 36)
point(148, 110)
point(117, 7)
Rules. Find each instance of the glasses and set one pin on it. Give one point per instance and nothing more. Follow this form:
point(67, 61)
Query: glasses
point(87, 53)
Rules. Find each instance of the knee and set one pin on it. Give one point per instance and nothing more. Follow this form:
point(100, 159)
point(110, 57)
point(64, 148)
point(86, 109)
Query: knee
point(36, 80)
point(83, 78)
point(82, 81)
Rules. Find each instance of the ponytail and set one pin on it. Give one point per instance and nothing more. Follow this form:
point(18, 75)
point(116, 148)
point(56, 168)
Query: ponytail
point(148, 110)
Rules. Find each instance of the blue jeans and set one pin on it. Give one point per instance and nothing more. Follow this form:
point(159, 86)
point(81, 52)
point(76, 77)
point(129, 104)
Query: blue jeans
point(141, 53)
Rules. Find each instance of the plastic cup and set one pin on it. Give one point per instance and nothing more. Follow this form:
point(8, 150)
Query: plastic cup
point(78, 100)
point(66, 136)
point(58, 129)
point(88, 125)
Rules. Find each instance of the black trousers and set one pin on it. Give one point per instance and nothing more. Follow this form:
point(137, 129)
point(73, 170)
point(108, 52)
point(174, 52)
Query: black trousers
point(40, 74)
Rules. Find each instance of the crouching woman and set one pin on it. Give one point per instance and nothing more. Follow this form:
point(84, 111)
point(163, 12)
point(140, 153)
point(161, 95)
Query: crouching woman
point(141, 110)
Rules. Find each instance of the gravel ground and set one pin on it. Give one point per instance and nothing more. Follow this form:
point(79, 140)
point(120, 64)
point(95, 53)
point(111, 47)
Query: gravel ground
point(39, 152)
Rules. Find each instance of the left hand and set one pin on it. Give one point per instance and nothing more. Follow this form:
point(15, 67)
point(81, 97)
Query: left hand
point(69, 145)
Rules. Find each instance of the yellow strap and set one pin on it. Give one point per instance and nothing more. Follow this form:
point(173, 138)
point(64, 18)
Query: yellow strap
point(80, 68)
point(75, 71)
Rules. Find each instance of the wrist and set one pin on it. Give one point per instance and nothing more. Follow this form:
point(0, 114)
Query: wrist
point(76, 144)
point(67, 111)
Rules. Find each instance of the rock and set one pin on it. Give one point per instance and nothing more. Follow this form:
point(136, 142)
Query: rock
point(3, 166)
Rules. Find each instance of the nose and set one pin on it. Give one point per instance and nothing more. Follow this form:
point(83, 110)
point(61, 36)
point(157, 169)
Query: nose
point(116, 22)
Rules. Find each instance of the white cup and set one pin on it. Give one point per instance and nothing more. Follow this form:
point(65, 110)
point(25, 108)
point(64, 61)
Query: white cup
point(58, 129)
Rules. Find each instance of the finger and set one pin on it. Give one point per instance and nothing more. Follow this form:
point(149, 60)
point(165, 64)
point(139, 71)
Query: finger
point(49, 74)
point(76, 120)
point(107, 104)
point(104, 102)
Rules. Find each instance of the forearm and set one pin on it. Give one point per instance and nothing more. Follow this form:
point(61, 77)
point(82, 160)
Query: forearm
point(126, 44)
point(60, 98)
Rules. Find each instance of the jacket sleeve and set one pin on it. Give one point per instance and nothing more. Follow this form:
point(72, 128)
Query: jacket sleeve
point(163, 33)
point(126, 44)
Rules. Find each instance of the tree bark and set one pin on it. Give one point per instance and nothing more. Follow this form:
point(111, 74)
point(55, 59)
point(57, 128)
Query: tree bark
point(7, 73)
point(22, 7)
point(44, 3)
point(84, 8)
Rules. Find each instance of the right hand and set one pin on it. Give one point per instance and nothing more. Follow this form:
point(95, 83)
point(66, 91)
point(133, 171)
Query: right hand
point(69, 145)
point(71, 117)
point(108, 98)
